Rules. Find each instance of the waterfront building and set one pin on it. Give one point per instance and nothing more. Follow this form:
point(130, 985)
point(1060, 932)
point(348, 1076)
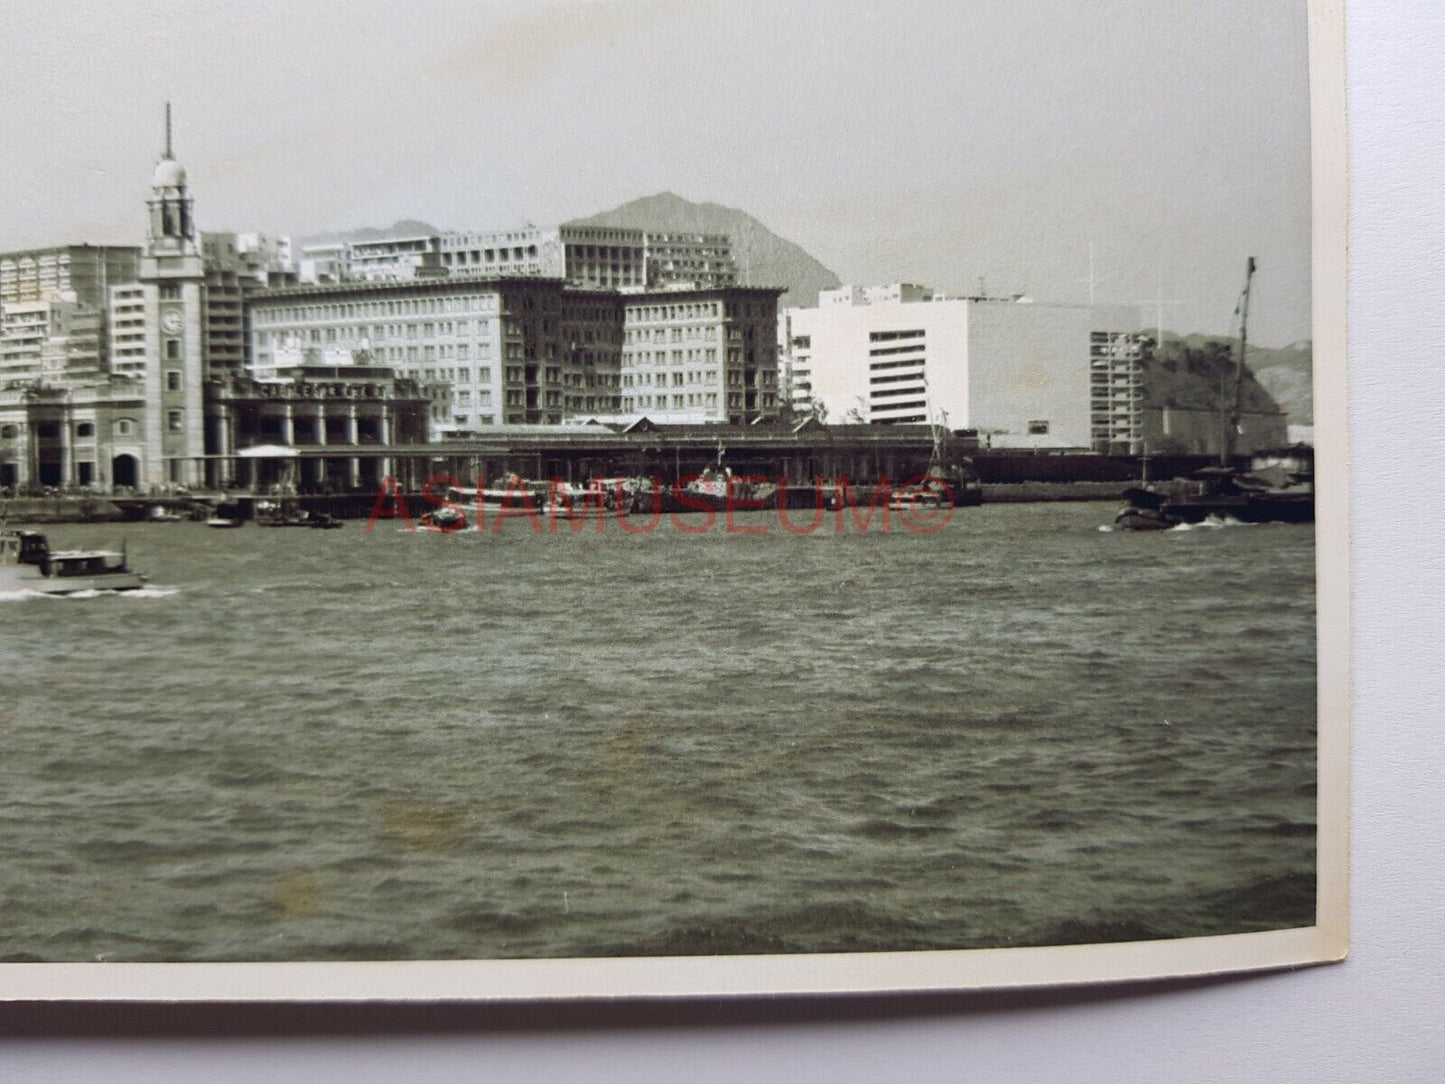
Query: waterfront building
point(493, 351)
point(1017, 371)
point(73, 434)
point(701, 355)
point(175, 405)
point(535, 351)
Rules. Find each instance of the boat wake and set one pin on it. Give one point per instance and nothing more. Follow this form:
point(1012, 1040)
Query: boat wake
point(1211, 523)
point(81, 596)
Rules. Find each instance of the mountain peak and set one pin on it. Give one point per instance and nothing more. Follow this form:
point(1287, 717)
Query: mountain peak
point(763, 258)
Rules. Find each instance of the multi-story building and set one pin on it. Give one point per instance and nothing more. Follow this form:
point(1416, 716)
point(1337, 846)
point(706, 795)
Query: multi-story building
point(518, 350)
point(588, 257)
point(585, 257)
point(49, 341)
point(696, 259)
point(1018, 372)
point(1116, 391)
point(701, 355)
point(499, 350)
point(126, 323)
point(322, 263)
point(66, 273)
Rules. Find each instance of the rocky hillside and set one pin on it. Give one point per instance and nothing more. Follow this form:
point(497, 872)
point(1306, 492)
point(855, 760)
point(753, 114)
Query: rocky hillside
point(763, 258)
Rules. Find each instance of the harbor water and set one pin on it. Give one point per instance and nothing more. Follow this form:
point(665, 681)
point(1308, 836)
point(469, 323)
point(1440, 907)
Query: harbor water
point(332, 745)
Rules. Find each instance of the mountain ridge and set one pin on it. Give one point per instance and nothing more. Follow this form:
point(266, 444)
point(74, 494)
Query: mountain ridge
point(763, 257)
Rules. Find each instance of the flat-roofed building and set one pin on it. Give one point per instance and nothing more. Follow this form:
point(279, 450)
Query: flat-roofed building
point(708, 354)
point(696, 259)
point(1017, 371)
point(67, 273)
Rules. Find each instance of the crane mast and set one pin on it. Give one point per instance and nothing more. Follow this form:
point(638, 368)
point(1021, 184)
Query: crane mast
point(1230, 418)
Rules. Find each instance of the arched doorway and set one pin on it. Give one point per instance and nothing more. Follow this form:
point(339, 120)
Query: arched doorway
point(124, 471)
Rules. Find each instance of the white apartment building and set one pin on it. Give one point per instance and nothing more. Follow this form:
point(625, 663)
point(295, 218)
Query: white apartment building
point(1017, 371)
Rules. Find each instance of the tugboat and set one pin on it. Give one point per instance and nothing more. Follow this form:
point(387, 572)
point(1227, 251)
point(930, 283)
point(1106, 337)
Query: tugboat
point(445, 519)
point(27, 563)
point(1278, 487)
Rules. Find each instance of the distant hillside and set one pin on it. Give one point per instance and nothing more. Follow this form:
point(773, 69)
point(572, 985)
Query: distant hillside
point(407, 227)
point(763, 258)
point(1195, 372)
point(1288, 375)
point(1284, 376)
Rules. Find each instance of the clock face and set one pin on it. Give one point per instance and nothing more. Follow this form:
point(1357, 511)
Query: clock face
point(171, 321)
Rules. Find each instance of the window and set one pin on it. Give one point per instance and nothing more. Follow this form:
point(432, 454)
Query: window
point(173, 380)
point(85, 429)
point(173, 421)
point(170, 292)
point(124, 427)
point(1038, 428)
point(173, 349)
point(7, 432)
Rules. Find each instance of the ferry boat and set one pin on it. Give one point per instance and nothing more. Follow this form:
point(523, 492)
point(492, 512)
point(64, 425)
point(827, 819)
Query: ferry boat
point(27, 563)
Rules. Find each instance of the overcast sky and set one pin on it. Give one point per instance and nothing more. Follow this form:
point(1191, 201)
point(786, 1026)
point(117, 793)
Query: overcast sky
point(934, 142)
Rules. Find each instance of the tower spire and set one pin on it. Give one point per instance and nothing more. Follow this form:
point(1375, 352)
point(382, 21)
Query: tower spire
point(168, 153)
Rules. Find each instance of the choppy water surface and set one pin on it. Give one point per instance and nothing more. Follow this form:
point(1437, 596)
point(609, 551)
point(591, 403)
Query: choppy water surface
point(341, 745)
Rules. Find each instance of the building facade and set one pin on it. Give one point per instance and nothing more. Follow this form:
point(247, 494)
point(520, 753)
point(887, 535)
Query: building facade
point(1018, 372)
point(707, 355)
point(582, 256)
point(80, 273)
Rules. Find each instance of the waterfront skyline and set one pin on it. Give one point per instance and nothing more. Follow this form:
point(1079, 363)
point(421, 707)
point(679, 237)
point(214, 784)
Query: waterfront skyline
point(484, 116)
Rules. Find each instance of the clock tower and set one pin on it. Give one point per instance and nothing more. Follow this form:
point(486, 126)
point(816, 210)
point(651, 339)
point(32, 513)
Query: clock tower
point(173, 281)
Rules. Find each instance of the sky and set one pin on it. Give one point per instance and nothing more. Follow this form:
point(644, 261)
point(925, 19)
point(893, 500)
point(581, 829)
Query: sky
point(947, 143)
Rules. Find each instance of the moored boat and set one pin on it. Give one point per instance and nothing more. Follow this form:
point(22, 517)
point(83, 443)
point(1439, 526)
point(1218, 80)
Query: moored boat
point(227, 516)
point(27, 563)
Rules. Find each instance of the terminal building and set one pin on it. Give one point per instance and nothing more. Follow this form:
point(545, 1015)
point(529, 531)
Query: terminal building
point(1021, 373)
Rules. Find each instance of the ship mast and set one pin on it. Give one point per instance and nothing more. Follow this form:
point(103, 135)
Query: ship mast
point(1230, 420)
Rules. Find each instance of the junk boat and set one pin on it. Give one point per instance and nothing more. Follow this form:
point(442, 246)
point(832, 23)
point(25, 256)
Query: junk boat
point(1278, 487)
point(27, 563)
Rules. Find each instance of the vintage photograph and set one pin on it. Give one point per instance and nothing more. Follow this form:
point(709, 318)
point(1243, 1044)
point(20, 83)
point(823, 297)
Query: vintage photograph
point(540, 480)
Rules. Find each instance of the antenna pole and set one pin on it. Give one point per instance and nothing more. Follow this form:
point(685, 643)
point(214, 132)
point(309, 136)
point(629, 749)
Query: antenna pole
point(168, 131)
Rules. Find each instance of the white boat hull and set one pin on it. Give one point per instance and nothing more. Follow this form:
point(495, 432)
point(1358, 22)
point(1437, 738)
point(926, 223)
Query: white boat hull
point(71, 585)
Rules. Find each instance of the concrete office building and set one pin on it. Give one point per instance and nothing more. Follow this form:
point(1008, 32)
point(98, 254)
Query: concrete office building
point(701, 355)
point(504, 350)
point(1017, 371)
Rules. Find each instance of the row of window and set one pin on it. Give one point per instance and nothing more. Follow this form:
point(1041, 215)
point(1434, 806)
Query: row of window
point(121, 427)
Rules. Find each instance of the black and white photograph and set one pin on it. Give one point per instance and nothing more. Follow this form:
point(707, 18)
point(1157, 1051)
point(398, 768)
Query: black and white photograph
point(635, 497)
